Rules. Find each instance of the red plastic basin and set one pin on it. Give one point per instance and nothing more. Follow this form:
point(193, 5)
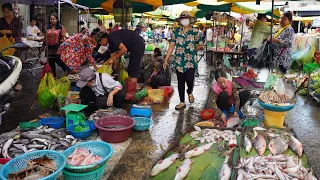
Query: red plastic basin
point(207, 114)
point(114, 135)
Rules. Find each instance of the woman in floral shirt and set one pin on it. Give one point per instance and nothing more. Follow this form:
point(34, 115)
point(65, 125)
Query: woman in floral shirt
point(187, 41)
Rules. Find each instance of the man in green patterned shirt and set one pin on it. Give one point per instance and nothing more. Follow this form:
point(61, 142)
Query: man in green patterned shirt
point(187, 41)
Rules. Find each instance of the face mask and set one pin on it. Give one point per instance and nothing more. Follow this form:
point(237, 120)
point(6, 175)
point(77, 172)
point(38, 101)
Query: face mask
point(185, 22)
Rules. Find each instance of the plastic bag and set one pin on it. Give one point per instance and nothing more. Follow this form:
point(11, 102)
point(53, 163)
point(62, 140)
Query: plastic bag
point(226, 62)
point(6, 42)
point(105, 68)
point(308, 55)
point(156, 95)
point(47, 91)
point(63, 86)
point(271, 81)
point(141, 94)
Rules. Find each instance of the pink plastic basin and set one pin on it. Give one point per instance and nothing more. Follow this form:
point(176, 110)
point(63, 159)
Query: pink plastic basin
point(114, 135)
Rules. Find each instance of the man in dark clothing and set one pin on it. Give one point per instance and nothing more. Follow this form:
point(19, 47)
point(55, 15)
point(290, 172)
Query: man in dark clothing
point(121, 42)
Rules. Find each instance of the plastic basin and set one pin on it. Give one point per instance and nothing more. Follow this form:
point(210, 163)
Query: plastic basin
point(207, 114)
point(276, 108)
point(53, 122)
point(114, 135)
point(83, 134)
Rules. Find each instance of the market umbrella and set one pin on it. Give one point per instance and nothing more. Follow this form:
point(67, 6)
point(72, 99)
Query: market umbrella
point(139, 6)
point(158, 13)
point(35, 2)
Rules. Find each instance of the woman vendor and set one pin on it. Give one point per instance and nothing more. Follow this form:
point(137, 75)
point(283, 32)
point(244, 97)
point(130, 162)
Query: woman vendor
point(10, 25)
point(77, 49)
point(283, 43)
point(121, 42)
point(160, 76)
point(224, 97)
point(99, 90)
point(55, 35)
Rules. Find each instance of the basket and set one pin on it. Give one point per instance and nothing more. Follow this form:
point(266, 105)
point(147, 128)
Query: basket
point(84, 134)
point(20, 163)
point(276, 108)
point(93, 175)
point(142, 123)
point(98, 148)
point(53, 122)
point(274, 119)
point(207, 114)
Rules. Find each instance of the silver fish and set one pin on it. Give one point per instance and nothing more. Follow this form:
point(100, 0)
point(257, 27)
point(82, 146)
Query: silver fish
point(35, 146)
point(247, 144)
point(21, 141)
point(55, 146)
point(33, 136)
point(8, 135)
point(65, 143)
point(30, 150)
point(296, 146)
point(41, 141)
point(5, 148)
point(260, 145)
point(21, 146)
point(277, 146)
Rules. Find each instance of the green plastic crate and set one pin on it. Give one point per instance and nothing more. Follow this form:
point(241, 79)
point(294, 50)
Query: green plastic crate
point(310, 67)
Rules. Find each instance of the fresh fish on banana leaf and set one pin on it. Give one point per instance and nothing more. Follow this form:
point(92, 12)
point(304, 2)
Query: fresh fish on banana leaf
point(225, 171)
point(277, 146)
point(247, 144)
point(198, 150)
point(164, 164)
point(296, 145)
point(183, 170)
point(260, 145)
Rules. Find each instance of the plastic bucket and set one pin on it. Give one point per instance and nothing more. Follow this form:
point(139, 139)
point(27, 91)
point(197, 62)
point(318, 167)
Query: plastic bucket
point(114, 135)
point(274, 119)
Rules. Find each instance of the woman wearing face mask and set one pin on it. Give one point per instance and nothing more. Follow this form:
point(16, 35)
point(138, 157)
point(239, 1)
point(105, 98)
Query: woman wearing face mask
point(224, 97)
point(123, 41)
point(160, 76)
point(56, 35)
point(283, 43)
point(187, 41)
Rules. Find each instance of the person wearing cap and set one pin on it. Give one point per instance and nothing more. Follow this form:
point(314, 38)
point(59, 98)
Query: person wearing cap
point(187, 41)
point(224, 98)
point(121, 42)
point(99, 90)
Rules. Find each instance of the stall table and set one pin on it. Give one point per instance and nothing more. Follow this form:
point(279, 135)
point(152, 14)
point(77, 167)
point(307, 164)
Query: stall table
point(217, 57)
point(34, 60)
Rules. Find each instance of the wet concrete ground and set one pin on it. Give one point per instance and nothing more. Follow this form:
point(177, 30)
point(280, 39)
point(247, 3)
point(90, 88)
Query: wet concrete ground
point(168, 124)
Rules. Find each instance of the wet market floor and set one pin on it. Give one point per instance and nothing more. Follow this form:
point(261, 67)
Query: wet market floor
point(168, 124)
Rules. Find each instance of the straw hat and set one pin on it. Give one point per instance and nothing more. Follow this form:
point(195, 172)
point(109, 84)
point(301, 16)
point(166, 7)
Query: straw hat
point(186, 14)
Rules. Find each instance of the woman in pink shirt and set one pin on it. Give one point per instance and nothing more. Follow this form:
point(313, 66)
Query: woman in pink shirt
point(55, 35)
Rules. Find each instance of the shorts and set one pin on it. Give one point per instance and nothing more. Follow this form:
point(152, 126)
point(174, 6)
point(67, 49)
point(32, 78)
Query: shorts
point(136, 54)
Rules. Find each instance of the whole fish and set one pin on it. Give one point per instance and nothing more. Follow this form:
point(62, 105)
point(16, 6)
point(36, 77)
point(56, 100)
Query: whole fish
point(183, 170)
point(8, 135)
point(232, 122)
point(247, 144)
point(21, 146)
point(65, 143)
point(35, 146)
point(198, 150)
point(225, 171)
point(163, 164)
point(5, 148)
point(33, 136)
point(21, 141)
point(260, 145)
point(232, 141)
point(296, 145)
point(277, 146)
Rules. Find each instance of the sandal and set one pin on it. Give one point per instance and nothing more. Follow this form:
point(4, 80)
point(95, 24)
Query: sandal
point(191, 98)
point(180, 106)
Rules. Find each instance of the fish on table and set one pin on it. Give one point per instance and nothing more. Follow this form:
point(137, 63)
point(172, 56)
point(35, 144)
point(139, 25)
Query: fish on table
point(260, 145)
point(164, 164)
point(183, 170)
point(225, 171)
point(277, 146)
point(247, 144)
point(198, 150)
point(296, 146)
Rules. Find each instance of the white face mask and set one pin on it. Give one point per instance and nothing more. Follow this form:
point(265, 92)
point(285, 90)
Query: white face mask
point(185, 22)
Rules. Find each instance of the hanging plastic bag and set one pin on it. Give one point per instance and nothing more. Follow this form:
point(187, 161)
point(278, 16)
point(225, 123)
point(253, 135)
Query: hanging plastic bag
point(271, 81)
point(47, 91)
point(105, 68)
point(226, 62)
point(63, 85)
point(6, 42)
point(123, 73)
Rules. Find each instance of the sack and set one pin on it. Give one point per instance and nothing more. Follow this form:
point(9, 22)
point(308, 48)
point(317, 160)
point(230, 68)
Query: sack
point(105, 68)
point(6, 42)
point(156, 96)
point(47, 91)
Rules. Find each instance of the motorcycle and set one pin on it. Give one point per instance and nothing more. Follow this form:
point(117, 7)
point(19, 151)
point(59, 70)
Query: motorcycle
point(10, 69)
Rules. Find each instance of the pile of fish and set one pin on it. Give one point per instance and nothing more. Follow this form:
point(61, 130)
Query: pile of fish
point(214, 135)
point(15, 143)
point(279, 141)
point(35, 169)
point(273, 97)
point(185, 167)
point(108, 112)
point(273, 167)
point(82, 157)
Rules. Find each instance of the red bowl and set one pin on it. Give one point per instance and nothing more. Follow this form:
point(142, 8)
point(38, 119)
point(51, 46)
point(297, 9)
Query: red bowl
point(207, 114)
point(114, 135)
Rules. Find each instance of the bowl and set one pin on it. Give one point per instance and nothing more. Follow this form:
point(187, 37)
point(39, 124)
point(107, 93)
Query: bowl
point(114, 129)
point(53, 122)
point(276, 108)
point(251, 113)
point(207, 114)
point(83, 134)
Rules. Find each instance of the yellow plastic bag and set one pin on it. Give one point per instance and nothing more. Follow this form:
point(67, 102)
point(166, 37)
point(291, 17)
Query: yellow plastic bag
point(47, 91)
point(6, 42)
point(63, 86)
point(105, 68)
point(123, 76)
point(156, 95)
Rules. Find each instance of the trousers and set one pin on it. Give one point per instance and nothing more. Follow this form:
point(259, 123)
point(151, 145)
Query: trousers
point(223, 102)
point(183, 78)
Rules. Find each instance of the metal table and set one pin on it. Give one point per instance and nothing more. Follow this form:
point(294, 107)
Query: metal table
point(33, 60)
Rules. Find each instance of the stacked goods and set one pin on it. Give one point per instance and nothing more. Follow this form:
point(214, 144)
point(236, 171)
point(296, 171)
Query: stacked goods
point(274, 98)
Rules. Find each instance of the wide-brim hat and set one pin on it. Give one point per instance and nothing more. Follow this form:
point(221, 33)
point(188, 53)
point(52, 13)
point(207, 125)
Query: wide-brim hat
point(185, 15)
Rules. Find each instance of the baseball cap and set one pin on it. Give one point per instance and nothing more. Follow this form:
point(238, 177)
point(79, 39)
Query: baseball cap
point(85, 76)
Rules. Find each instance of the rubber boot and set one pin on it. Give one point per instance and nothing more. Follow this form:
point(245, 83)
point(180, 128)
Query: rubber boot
point(130, 90)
